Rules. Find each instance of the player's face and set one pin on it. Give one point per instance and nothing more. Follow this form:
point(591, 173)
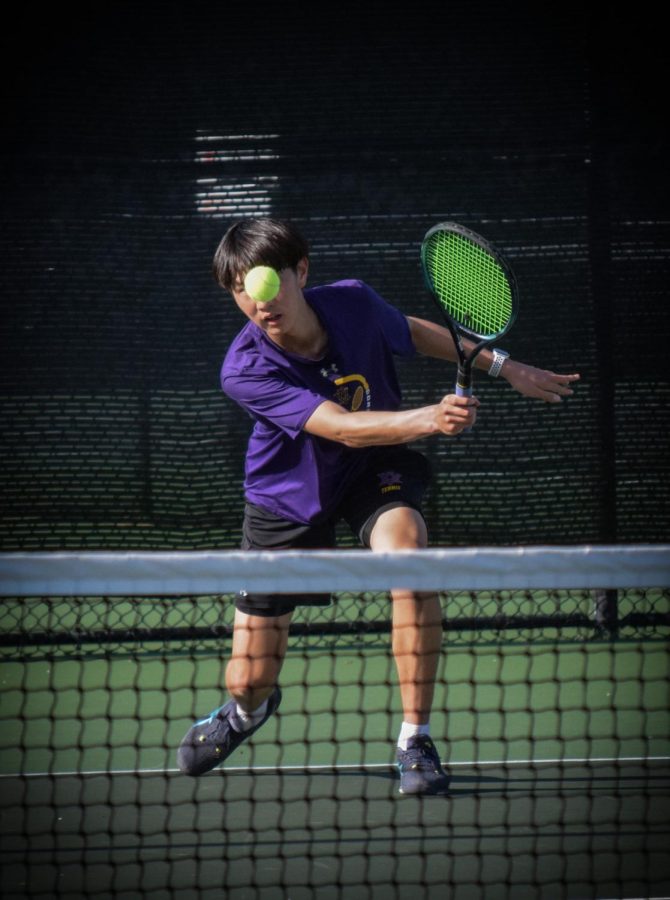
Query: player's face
point(280, 316)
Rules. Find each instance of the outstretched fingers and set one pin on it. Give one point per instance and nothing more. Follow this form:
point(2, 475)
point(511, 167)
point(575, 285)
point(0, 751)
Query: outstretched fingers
point(541, 384)
point(554, 387)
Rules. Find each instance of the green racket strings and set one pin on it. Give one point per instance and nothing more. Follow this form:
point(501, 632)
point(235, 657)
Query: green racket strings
point(470, 284)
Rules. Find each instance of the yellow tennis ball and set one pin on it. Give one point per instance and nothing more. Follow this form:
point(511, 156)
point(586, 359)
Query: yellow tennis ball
point(262, 284)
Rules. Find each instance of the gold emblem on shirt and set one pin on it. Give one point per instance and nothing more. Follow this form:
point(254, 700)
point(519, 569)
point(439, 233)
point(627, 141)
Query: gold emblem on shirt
point(352, 392)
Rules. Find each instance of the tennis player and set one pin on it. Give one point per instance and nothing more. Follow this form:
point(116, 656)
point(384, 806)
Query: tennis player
point(314, 368)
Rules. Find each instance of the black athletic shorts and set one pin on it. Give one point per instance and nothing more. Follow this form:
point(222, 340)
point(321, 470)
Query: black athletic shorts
point(393, 476)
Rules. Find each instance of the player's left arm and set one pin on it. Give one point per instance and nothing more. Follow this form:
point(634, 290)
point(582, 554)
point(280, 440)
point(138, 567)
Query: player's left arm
point(431, 339)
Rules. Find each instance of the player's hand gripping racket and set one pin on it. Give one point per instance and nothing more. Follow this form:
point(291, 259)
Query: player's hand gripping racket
point(474, 288)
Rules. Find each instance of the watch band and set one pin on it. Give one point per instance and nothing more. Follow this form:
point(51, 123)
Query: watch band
point(499, 357)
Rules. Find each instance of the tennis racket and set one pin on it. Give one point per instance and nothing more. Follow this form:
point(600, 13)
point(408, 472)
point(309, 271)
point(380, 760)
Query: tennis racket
point(474, 288)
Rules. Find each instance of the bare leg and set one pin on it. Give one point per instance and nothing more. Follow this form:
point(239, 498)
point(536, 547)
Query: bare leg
point(417, 617)
point(259, 646)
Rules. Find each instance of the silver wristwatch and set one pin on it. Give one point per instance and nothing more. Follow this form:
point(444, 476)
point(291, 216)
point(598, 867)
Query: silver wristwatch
point(499, 357)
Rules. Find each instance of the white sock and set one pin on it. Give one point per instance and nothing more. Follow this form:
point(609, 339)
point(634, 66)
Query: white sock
point(408, 730)
point(241, 720)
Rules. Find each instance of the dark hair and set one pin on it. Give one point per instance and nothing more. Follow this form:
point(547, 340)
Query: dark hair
point(257, 242)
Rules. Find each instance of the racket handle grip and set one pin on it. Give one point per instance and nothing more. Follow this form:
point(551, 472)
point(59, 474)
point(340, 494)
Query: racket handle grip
point(463, 390)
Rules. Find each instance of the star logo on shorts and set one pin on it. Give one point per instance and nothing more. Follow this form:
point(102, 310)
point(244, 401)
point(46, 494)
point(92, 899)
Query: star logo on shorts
point(389, 481)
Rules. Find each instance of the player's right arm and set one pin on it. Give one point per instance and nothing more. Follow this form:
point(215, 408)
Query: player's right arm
point(370, 428)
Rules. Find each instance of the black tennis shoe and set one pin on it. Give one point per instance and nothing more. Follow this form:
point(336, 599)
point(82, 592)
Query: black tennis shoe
point(420, 769)
point(210, 741)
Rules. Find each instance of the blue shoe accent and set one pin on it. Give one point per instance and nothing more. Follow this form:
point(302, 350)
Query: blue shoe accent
point(420, 769)
point(211, 740)
point(211, 716)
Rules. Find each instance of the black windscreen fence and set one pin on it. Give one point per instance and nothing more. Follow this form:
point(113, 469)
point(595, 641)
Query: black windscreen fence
point(137, 139)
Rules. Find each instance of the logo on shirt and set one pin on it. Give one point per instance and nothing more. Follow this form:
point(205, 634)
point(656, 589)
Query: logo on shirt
point(351, 391)
point(330, 372)
point(389, 481)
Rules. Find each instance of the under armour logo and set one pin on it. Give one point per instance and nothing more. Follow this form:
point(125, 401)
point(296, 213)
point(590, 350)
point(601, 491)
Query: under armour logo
point(330, 371)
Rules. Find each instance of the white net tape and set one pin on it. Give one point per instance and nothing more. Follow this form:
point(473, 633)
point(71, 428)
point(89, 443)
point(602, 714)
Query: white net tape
point(207, 572)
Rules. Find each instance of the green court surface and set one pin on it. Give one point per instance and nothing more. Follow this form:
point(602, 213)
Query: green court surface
point(559, 754)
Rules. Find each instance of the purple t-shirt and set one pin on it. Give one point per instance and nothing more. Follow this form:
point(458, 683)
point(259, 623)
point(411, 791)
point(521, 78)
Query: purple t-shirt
point(289, 472)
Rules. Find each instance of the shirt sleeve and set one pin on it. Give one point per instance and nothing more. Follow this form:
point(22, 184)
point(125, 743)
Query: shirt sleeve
point(272, 399)
point(392, 322)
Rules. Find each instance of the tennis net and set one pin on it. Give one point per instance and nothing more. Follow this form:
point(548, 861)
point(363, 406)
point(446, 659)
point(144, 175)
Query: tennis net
point(551, 714)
